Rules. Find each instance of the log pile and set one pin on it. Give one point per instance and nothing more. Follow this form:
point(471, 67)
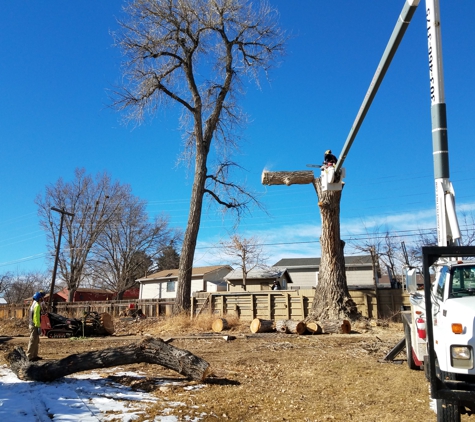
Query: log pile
point(149, 350)
point(289, 326)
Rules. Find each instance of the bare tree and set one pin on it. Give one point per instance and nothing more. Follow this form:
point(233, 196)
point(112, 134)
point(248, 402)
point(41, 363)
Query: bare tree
point(5, 280)
point(125, 249)
point(94, 202)
point(385, 251)
point(22, 286)
point(245, 253)
point(195, 53)
point(468, 228)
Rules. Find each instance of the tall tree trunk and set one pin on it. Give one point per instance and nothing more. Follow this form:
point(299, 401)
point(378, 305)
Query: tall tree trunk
point(332, 299)
point(183, 293)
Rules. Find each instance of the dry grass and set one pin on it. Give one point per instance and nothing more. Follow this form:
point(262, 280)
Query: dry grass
point(272, 376)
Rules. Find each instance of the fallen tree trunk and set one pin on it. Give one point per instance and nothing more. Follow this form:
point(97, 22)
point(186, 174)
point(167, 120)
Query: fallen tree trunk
point(303, 177)
point(149, 350)
point(262, 325)
point(219, 325)
point(335, 327)
point(290, 326)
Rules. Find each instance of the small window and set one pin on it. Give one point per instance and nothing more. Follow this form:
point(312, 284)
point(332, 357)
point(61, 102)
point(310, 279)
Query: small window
point(444, 272)
point(171, 286)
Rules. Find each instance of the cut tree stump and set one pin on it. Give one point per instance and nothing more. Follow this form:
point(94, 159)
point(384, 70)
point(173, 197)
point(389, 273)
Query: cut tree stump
point(302, 177)
point(335, 327)
point(149, 350)
point(290, 326)
point(262, 325)
point(219, 325)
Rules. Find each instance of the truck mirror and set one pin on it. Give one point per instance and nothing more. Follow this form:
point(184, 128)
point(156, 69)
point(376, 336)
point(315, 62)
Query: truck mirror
point(411, 281)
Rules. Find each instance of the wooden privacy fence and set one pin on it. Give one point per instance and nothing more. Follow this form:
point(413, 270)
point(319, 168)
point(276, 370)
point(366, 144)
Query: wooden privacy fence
point(265, 304)
point(150, 307)
point(294, 304)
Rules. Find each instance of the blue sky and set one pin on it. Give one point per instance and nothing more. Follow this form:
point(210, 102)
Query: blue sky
point(58, 62)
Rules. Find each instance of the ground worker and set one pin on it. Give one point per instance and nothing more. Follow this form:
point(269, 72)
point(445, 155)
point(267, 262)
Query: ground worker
point(34, 324)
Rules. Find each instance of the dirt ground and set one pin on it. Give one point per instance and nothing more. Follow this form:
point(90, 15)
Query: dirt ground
point(268, 376)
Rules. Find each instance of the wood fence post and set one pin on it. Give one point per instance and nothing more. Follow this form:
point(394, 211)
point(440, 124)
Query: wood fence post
point(221, 305)
point(302, 304)
point(270, 296)
point(288, 304)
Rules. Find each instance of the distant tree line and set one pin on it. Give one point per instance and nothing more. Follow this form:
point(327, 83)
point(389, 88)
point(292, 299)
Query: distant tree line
point(109, 242)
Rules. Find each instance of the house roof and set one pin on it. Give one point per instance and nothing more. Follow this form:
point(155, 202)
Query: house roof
point(260, 273)
point(362, 260)
point(196, 271)
point(65, 290)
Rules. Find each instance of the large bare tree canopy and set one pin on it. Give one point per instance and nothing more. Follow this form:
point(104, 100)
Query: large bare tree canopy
point(246, 253)
point(197, 53)
point(94, 203)
point(125, 250)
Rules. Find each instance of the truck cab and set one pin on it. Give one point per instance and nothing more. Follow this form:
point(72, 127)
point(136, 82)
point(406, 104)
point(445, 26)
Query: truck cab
point(440, 328)
point(453, 315)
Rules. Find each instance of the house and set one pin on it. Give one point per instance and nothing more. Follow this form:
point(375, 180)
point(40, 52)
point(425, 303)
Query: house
point(162, 285)
point(85, 295)
point(3, 301)
point(258, 279)
point(304, 271)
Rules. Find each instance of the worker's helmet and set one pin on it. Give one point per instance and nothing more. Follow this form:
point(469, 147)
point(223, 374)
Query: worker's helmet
point(328, 151)
point(39, 295)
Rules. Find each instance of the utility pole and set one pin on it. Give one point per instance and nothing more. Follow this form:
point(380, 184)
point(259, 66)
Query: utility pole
point(55, 268)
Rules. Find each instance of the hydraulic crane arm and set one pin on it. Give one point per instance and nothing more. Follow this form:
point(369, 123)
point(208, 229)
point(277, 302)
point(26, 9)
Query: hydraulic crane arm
point(448, 231)
point(399, 30)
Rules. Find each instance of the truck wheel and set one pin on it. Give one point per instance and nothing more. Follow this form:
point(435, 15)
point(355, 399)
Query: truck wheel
point(447, 411)
point(410, 359)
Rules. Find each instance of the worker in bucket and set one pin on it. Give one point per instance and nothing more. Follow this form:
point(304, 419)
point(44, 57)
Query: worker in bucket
point(34, 324)
point(329, 158)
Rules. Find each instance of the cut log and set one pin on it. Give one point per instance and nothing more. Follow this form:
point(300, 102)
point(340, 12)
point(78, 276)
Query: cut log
point(281, 326)
point(290, 326)
point(107, 323)
point(149, 350)
point(262, 325)
point(219, 325)
point(335, 327)
point(303, 177)
point(313, 328)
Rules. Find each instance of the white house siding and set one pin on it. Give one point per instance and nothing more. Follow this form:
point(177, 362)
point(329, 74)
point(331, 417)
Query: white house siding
point(306, 278)
point(150, 291)
point(218, 286)
point(303, 278)
point(360, 278)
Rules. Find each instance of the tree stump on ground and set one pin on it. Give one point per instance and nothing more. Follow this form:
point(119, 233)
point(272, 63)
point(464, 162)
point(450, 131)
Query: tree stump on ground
point(219, 325)
point(262, 325)
point(149, 350)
